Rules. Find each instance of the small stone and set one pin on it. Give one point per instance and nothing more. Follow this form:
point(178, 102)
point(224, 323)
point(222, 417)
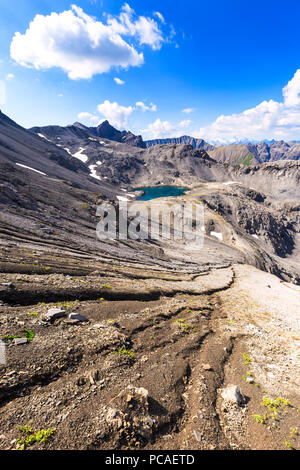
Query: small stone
point(8, 284)
point(197, 435)
point(78, 317)
point(207, 367)
point(54, 313)
point(81, 381)
point(19, 341)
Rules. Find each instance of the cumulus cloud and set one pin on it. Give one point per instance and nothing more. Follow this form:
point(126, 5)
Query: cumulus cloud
point(87, 116)
point(10, 76)
point(268, 120)
point(158, 129)
point(116, 114)
point(145, 29)
point(144, 107)
point(81, 45)
point(119, 81)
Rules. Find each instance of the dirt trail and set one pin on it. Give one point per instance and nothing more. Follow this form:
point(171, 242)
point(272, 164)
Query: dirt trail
point(147, 371)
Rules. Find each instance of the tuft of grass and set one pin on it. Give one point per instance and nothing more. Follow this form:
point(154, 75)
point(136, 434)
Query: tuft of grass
point(182, 323)
point(288, 445)
point(262, 419)
point(10, 337)
point(107, 286)
point(124, 352)
point(33, 314)
point(29, 335)
point(247, 359)
point(30, 436)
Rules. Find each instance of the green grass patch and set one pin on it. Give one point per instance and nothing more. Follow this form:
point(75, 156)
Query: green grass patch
point(30, 436)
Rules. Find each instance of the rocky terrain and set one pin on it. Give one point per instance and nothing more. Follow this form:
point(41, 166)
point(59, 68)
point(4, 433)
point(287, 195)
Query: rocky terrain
point(153, 344)
point(185, 139)
point(247, 154)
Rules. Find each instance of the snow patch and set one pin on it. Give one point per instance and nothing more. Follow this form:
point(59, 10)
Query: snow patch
point(254, 235)
point(93, 173)
point(81, 156)
point(44, 137)
point(121, 198)
point(231, 182)
point(32, 169)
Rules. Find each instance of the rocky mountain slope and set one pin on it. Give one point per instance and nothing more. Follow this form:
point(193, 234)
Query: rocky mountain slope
point(104, 130)
point(184, 347)
point(240, 153)
point(251, 154)
point(185, 139)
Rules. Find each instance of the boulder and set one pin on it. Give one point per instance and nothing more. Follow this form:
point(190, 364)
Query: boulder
point(54, 313)
point(78, 317)
point(233, 394)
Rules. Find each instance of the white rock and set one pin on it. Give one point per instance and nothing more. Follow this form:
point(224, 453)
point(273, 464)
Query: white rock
point(233, 394)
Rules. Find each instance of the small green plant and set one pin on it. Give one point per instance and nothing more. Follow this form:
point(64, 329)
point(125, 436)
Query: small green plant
point(33, 314)
point(107, 286)
point(273, 405)
point(247, 359)
point(10, 337)
point(288, 445)
point(262, 419)
point(294, 433)
point(124, 352)
point(182, 323)
point(67, 303)
point(30, 436)
point(29, 335)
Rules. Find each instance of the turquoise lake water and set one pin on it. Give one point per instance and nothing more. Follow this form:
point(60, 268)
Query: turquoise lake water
point(160, 191)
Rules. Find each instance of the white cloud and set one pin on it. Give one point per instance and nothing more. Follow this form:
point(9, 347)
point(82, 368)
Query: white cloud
point(144, 107)
point(87, 116)
point(162, 129)
point(10, 76)
point(119, 81)
point(160, 17)
point(188, 110)
point(116, 114)
point(82, 46)
point(145, 29)
point(185, 123)
point(158, 129)
point(268, 120)
point(291, 91)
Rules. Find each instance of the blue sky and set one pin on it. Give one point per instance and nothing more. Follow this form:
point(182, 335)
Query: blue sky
point(230, 64)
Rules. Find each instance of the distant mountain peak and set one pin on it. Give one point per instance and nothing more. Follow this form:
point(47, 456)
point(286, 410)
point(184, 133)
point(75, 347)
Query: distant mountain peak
point(107, 131)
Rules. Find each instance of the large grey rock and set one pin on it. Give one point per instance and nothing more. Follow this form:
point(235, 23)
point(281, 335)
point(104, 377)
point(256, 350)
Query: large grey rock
point(20, 341)
point(54, 313)
point(78, 317)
